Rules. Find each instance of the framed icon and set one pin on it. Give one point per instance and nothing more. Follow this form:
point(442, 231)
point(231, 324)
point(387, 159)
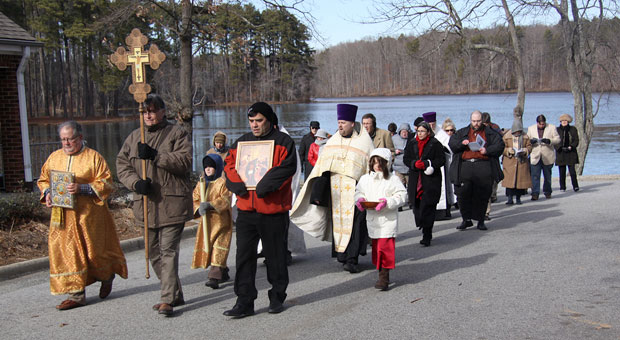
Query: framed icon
point(254, 159)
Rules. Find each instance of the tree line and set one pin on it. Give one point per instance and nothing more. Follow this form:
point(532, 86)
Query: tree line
point(433, 64)
point(237, 53)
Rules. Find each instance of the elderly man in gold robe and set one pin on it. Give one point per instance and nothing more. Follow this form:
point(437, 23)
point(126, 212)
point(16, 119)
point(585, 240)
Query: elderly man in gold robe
point(83, 245)
point(325, 207)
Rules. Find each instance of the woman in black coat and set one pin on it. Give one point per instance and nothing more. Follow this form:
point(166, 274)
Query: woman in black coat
point(424, 156)
point(566, 151)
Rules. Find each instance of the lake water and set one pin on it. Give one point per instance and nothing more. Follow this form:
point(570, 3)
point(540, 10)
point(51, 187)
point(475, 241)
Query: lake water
point(603, 155)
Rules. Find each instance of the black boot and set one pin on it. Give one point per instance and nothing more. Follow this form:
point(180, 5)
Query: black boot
point(384, 279)
point(510, 202)
point(465, 225)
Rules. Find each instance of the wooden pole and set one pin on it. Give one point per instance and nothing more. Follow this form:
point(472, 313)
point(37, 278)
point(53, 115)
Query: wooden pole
point(206, 240)
point(145, 199)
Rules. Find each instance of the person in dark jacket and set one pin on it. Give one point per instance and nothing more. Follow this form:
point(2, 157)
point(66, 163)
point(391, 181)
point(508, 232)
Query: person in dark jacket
point(262, 213)
point(424, 156)
point(304, 148)
point(566, 152)
point(474, 168)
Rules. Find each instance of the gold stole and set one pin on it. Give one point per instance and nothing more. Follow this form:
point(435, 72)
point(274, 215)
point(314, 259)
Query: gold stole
point(343, 203)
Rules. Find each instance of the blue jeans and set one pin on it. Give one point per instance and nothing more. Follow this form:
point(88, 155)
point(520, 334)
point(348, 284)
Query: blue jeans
point(546, 170)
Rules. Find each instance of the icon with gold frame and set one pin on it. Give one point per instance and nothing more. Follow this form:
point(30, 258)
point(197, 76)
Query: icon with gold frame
point(254, 159)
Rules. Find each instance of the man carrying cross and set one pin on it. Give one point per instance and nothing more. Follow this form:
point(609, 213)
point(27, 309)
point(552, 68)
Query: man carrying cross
point(168, 151)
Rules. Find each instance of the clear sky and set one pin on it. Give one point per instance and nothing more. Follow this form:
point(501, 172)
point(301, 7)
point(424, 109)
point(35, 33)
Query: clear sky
point(338, 21)
point(343, 20)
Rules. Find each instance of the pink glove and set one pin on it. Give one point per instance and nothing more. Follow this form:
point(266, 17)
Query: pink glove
point(381, 205)
point(358, 204)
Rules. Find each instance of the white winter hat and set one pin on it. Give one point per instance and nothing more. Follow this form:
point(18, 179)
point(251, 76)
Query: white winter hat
point(321, 133)
point(383, 153)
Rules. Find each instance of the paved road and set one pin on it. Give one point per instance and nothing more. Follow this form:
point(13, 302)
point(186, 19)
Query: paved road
point(544, 270)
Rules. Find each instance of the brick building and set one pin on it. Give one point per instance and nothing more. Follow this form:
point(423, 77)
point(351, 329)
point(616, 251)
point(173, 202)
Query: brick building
point(15, 164)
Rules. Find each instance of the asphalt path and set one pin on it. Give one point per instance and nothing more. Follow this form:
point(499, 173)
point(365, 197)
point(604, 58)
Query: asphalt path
point(548, 269)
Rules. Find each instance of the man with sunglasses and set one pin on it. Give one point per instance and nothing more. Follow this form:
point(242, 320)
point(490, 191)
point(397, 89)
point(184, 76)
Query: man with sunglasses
point(304, 147)
point(167, 149)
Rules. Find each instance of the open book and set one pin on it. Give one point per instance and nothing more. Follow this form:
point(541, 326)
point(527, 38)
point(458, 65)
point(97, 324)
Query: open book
point(479, 143)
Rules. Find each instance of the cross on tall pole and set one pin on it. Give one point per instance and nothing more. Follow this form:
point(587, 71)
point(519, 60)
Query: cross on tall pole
point(137, 57)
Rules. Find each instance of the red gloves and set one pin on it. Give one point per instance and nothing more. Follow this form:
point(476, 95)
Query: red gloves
point(419, 164)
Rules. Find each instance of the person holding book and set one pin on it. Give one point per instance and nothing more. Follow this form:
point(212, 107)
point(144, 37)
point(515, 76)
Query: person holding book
point(83, 244)
point(474, 168)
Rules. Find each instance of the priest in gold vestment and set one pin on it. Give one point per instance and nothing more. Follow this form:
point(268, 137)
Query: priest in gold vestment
point(83, 245)
point(218, 214)
point(325, 207)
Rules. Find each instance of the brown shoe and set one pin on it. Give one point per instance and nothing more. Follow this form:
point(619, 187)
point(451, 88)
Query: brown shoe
point(178, 302)
point(165, 309)
point(68, 304)
point(106, 288)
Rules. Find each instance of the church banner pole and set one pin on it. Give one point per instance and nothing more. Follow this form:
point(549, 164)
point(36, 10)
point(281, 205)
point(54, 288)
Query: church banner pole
point(137, 57)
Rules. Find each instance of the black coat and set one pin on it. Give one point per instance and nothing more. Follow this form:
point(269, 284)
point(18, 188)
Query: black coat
point(304, 147)
point(494, 146)
point(563, 156)
point(431, 184)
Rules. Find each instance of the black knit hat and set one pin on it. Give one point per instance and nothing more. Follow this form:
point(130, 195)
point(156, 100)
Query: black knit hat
point(264, 109)
point(208, 162)
point(417, 121)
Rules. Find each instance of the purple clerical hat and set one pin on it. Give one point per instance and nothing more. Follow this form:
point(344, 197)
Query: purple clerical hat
point(346, 112)
point(430, 117)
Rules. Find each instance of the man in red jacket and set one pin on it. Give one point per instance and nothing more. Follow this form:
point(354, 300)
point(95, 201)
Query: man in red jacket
point(262, 214)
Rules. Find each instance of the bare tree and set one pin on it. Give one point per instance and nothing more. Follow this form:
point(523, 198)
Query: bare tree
point(581, 25)
point(454, 18)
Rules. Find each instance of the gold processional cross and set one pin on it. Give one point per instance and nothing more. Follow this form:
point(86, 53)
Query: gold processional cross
point(137, 57)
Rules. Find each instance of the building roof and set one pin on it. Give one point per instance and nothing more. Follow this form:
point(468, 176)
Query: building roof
point(12, 34)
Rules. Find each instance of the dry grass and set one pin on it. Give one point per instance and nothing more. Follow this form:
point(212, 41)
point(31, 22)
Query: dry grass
point(28, 240)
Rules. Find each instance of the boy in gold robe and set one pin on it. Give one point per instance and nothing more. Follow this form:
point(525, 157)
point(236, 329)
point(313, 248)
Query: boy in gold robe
point(217, 210)
point(83, 245)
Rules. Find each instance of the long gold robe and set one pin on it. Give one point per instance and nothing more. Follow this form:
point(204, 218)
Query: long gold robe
point(85, 248)
point(219, 222)
point(347, 160)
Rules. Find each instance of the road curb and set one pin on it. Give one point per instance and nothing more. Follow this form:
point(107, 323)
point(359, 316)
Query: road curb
point(18, 269)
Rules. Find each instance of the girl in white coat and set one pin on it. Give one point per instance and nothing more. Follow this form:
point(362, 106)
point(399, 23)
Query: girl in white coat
point(379, 185)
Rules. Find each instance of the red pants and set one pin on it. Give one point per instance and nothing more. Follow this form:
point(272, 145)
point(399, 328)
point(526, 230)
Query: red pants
point(383, 253)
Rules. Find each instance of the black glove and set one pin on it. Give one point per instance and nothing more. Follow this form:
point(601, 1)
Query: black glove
point(204, 207)
point(146, 152)
point(143, 186)
point(534, 140)
point(545, 141)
